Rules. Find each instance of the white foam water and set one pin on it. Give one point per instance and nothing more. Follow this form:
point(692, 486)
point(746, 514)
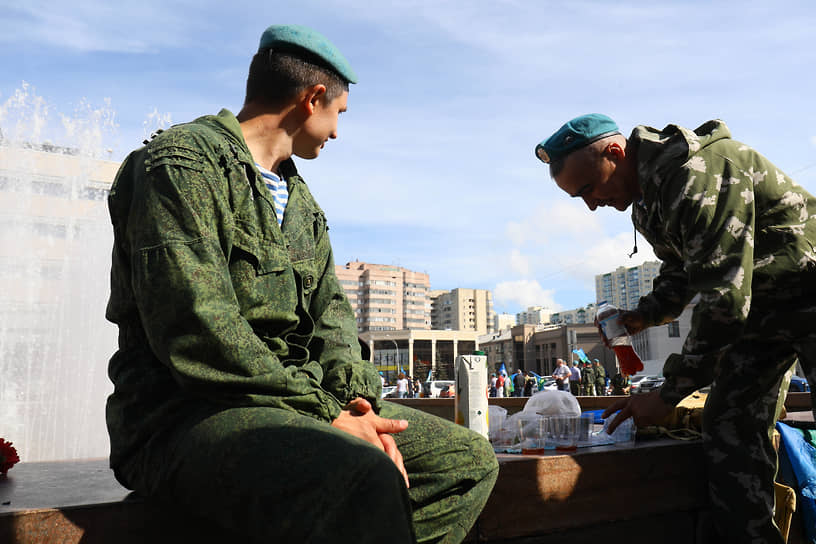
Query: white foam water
point(55, 244)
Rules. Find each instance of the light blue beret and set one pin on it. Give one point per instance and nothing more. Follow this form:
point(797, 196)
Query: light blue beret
point(574, 135)
point(288, 37)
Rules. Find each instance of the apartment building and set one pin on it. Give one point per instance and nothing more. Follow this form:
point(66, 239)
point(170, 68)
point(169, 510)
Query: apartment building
point(624, 287)
point(533, 315)
point(386, 297)
point(462, 310)
point(576, 316)
point(503, 321)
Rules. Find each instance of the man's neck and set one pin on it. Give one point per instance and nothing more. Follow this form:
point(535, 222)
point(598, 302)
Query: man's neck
point(266, 136)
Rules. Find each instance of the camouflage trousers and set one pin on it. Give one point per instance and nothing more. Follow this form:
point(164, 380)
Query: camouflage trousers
point(749, 386)
point(271, 475)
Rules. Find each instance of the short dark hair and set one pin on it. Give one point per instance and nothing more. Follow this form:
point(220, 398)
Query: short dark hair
point(277, 76)
point(556, 167)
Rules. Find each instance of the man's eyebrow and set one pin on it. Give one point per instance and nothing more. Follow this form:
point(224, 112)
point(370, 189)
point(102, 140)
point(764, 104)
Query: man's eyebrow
point(581, 191)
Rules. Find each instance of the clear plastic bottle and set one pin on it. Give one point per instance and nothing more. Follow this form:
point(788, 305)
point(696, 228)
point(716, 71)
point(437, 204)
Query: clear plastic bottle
point(616, 335)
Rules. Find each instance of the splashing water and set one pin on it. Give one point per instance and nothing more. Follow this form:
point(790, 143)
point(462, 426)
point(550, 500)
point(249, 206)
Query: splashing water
point(55, 243)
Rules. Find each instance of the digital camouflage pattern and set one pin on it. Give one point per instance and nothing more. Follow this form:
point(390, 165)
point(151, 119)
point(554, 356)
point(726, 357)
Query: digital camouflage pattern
point(238, 348)
point(731, 227)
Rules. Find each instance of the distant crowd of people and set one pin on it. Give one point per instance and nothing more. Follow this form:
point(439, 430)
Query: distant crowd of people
point(582, 378)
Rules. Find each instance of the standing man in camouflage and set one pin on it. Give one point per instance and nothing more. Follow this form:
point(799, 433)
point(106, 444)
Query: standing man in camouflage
point(240, 392)
point(600, 378)
point(588, 379)
point(731, 227)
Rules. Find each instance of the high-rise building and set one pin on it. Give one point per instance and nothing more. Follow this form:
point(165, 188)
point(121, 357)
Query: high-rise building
point(386, 297)
point(503, 321)
point(533, 315)
point(576, 316)
point(462, 310)
point(624, 287)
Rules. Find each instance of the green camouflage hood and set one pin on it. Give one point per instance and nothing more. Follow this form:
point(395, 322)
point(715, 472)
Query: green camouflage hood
point(662, 151)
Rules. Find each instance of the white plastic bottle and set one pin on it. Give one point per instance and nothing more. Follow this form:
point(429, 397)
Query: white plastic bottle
point(616, 335)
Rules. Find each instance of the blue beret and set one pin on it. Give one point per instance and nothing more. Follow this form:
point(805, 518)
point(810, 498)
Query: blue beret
point(575, 134)
point(289, 37)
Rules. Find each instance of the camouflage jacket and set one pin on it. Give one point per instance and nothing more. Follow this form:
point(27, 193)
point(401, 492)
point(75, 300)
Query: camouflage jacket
point(600, 375)
point(728, 225)
point(216, 304)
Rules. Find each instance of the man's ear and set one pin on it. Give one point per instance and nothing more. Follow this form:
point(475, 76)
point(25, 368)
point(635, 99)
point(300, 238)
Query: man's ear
point(614, 151)
point(310, 96)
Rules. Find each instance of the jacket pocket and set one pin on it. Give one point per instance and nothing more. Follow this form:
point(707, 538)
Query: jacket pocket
point(266, 256)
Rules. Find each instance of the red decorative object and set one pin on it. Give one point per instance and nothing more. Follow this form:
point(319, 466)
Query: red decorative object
point(8, 456)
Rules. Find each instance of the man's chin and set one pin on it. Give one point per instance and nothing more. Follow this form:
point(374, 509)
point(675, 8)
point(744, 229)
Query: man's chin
point(308, 156)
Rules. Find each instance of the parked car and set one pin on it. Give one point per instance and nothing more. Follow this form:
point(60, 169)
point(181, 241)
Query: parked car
point(447, 392)
point(799, 384)
point(651, 383)
point(389, 391)
point(639, 380)
point(545, 383)
point(434, 387)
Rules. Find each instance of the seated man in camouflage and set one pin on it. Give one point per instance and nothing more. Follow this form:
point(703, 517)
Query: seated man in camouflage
point(240, 391)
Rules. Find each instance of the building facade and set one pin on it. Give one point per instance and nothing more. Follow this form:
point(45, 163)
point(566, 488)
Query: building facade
point(386, 297)
point(424, 354)
point(537, 348)
point(462, 310)
point(503, 321)
point(533, 315)
point(576, 316)
point(623, 287)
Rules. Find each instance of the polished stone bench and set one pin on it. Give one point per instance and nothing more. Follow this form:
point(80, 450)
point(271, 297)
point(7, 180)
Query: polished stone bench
point(589, 493)
point(652, 492)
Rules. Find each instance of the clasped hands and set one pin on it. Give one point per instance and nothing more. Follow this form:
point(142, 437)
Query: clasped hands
point(359, 419)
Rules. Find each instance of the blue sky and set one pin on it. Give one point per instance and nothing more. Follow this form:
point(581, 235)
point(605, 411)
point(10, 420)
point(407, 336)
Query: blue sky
point(434, 168)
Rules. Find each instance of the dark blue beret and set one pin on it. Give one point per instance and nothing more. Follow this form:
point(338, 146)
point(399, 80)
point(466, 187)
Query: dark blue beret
point(574, 135)
point(287, 37)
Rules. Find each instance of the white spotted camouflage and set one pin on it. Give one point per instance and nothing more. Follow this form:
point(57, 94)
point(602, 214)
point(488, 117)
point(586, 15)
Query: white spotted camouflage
point(731, 227)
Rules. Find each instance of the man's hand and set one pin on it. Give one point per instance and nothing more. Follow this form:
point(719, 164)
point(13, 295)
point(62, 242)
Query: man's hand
point(646, 409)
point(360, 420)
point(633, 321)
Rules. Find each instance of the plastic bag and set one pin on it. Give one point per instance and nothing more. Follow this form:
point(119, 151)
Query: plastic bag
point(553, 403)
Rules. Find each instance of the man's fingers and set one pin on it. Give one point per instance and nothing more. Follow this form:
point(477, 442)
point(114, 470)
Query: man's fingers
point(390, 447)
point(622, 416)
point(390, 426)
point(614, 407)
point(359, 406)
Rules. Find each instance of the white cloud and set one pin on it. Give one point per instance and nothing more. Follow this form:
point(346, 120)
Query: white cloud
point(94, 25)
point(524, 293)
point(519, 263)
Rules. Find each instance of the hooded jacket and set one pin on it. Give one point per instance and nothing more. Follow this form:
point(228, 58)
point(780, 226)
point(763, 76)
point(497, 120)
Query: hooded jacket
point(728, 226)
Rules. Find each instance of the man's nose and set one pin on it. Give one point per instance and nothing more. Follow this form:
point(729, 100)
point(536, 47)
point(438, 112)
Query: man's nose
point(591, 203)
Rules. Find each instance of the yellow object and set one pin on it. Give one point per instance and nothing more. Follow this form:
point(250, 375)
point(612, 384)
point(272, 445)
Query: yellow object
point(784, 507)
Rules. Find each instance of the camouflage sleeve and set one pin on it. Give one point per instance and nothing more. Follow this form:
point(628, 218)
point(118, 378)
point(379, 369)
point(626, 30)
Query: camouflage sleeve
point(178, 236)
point(334, 342)
point(712, 213)
point(670, 293)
